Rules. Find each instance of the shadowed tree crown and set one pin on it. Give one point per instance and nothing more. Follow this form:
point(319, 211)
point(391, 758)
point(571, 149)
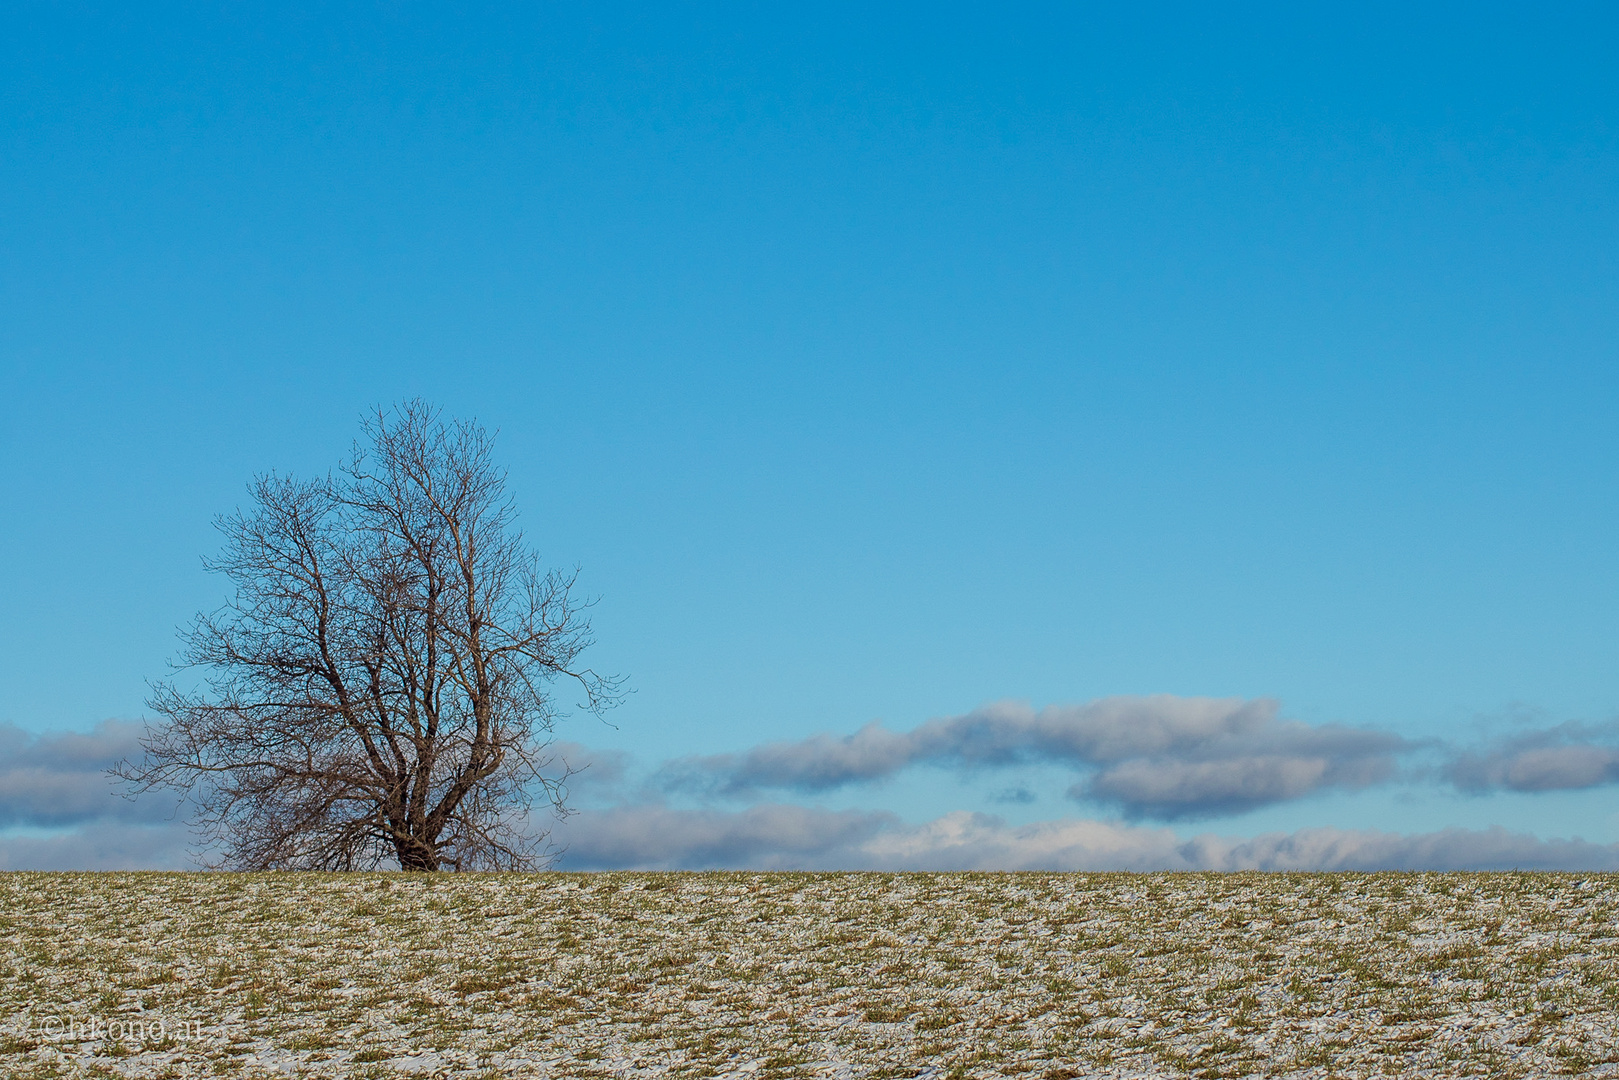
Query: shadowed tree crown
point(380, 687)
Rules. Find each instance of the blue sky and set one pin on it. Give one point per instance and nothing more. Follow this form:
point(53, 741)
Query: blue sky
point(874, 364)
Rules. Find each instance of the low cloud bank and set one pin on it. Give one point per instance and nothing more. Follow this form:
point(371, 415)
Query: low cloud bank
point(1158, 756)
point(110, 845)
point(771, 837)
point(61, 811)
point(783, 837)
point(780, 837)
point(1164, 757)
point(61, 779)
point(1562, 758)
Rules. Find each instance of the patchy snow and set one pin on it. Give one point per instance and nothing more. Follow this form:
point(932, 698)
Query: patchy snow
point(830, 975)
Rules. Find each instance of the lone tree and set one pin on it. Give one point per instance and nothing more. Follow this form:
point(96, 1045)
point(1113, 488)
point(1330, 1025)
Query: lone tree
point(379, 688)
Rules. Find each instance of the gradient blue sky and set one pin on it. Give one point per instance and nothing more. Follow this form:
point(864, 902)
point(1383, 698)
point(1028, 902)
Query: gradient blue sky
point(872, 362)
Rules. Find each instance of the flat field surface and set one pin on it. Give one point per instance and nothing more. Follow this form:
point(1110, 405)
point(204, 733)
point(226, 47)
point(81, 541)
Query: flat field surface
point(833, 975)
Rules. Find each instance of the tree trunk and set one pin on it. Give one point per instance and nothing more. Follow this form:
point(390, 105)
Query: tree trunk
point(416, 856)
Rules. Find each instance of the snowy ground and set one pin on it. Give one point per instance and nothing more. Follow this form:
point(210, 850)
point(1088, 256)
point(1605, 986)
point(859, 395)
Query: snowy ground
point(830, 975)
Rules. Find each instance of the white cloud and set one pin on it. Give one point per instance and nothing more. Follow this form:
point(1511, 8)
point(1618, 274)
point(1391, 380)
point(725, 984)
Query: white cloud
point(1157, 756)
point(791, 837)
point(1565, 757)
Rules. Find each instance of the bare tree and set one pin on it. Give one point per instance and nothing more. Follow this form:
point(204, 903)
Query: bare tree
point(379, 688)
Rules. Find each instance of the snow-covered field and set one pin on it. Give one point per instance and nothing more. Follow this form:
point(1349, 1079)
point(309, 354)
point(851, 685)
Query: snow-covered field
point(880, 975)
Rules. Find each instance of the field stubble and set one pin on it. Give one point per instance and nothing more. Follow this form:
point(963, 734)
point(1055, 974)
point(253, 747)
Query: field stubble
point(833, 975)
